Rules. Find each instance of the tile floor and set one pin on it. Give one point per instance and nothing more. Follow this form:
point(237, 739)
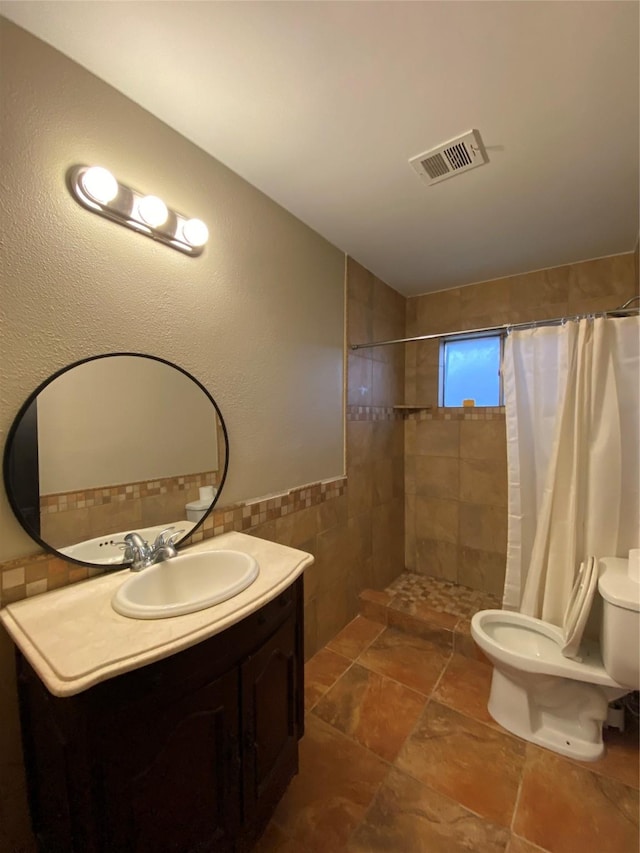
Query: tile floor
point(400, 754)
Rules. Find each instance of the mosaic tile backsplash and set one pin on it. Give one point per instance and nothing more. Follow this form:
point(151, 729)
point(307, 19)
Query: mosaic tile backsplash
point(123, 492)
point(73, 516)
point(31, 575)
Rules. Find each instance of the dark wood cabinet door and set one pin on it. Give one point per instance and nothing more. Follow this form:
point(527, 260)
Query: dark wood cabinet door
point(187, 755)
point(171, 784)
point(269, 722)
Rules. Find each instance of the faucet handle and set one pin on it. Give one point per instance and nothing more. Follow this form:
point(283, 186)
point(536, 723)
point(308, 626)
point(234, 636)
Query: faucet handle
point(163, 539)
point(172, 539)
point(127, 550)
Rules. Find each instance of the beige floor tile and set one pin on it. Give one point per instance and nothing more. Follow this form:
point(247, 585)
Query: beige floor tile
point(332, 791)
point(409, 817)
point(465, 687)
point(566, 808)
point(468, 761)
point(375, 711)
point(621, 760)
point(320, 673)
point(355, 637)
point(406, 658)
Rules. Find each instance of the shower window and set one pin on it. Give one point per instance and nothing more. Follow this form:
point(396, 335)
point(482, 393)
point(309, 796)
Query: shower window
point(470, 370)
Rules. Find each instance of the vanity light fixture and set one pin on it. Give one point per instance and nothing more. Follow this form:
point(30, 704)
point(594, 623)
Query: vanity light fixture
point(97, 190)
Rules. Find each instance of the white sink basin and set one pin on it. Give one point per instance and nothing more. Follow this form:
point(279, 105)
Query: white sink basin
point(108, 550)
point(184, 584)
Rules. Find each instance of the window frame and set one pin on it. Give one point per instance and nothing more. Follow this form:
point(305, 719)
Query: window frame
point(465, 336)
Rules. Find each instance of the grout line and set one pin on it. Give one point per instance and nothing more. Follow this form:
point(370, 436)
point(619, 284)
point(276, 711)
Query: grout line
point(359, 616)
point(530, 843)
point(428, 698)
point(519, 791)
point(333, 683)
point(391, 765)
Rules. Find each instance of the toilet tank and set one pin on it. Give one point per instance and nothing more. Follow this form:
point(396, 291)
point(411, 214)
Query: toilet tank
point(620, 631)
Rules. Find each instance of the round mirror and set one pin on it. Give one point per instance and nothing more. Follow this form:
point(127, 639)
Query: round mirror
point(110, 445)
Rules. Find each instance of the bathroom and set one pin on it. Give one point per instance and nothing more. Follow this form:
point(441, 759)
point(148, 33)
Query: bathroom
point(259, 319)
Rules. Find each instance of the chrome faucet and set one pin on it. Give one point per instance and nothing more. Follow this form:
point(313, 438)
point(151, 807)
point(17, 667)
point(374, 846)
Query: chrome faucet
point(164, 547)
point(140, 554)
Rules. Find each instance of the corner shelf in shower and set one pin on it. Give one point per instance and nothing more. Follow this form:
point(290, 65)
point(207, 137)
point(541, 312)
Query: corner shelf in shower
point(413, 408)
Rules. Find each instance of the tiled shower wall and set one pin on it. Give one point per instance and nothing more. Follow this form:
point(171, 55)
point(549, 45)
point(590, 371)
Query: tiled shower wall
point(455, 462)
point(375, 431)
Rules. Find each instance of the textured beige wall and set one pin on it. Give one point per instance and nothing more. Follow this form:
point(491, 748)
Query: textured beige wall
point(456, 470)
point(122, 420)
point(258, 318)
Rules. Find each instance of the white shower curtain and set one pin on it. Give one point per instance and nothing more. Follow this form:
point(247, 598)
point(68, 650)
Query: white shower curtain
point(572, 396)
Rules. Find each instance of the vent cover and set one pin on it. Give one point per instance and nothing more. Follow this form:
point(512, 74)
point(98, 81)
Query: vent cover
point(451, 158)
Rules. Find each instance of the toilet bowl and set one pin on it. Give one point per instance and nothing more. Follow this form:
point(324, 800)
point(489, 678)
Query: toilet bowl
point(560, 702)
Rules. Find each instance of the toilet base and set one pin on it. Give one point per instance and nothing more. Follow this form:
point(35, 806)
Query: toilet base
point(560, 714)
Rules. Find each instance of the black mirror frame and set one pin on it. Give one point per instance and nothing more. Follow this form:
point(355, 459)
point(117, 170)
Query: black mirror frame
point(29, 401)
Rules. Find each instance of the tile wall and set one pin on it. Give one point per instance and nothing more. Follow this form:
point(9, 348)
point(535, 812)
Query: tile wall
point(375, 430)
point(70, 517)
point(456, 467)
point(305, 517)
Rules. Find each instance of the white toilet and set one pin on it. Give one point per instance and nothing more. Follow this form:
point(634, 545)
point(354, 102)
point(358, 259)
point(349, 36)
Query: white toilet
point(556, 701)
point(196, 510)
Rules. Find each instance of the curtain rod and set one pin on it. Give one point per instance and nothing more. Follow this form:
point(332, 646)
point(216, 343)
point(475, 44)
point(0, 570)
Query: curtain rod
point(622, 311)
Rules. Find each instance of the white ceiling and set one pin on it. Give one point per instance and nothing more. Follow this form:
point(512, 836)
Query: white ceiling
point(321, 104)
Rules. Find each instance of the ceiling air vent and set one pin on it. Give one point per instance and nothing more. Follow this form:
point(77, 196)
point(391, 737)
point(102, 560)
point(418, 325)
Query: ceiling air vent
point(451, 158)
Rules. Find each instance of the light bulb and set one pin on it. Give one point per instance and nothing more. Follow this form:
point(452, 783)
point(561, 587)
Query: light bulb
point(100, 184)
point(195, 232)
point(152, 210)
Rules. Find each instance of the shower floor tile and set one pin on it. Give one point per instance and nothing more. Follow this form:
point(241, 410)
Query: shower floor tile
point(400, 754)
point(440, 595)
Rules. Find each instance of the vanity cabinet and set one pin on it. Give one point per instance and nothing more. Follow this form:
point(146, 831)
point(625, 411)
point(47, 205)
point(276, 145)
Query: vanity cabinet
point(186, 755)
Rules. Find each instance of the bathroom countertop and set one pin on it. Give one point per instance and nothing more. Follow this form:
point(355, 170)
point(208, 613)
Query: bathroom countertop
point(74, 639)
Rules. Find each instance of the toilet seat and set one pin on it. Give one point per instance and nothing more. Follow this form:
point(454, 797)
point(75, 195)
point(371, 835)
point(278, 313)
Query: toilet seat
point(531, 645)
point(579, 606)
